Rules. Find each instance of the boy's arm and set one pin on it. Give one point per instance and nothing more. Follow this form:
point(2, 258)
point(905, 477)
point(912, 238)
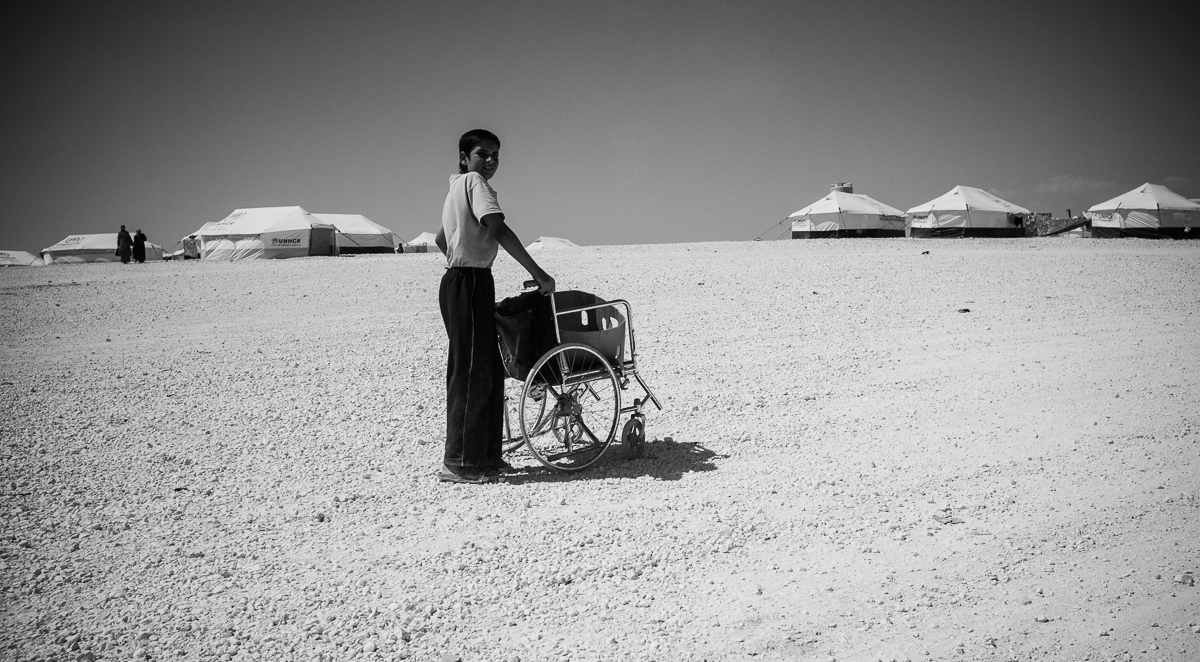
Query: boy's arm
point(441, 241)
point(511, 243)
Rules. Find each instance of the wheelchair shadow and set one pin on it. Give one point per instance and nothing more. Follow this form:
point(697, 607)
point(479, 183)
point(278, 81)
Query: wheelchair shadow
point(661, 459)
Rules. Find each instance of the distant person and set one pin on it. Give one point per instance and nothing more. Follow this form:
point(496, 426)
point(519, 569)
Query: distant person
point(139, 247)
point(124, 245)
point(191, 248)
point(473, 227)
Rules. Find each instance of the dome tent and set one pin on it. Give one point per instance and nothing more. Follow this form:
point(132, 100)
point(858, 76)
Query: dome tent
point(20, 259)
point(1150, 211)
point(426, 242)
point(844, 213)
point(551, 242)
point(967, 211)
point(79, 248)
point(358, 234)
point(266, 232)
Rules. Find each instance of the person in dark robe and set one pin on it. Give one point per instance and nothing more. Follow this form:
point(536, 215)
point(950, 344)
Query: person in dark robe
point(124, 245)
point(139, 247)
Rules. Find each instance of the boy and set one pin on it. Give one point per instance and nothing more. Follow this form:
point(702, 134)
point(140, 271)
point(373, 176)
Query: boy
point(472, 229)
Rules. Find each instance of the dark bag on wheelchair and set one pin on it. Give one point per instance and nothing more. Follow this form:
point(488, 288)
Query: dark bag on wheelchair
point(525, 331)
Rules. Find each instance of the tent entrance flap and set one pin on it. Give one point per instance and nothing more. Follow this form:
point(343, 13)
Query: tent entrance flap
point(323, 240)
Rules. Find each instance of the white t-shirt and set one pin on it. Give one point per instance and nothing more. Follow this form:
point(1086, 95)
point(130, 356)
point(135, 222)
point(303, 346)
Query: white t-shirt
point(468, 242)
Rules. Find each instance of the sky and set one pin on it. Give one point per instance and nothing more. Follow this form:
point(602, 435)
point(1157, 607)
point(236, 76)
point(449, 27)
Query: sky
point(620, 122)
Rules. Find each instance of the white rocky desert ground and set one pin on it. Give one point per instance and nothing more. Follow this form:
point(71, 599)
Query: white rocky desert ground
point(234, 461)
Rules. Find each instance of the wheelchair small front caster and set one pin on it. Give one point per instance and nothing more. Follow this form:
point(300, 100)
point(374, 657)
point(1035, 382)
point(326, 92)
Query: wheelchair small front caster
point(634, 437)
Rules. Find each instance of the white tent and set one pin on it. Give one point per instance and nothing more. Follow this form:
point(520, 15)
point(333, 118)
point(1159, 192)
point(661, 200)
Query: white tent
point(358, 234)
point(551, 242)
point(20, 259)
point(844, 213)
point(966, 211)
point(426, 242)
point(1149, 210)
point(92, 248)
point(266, 232)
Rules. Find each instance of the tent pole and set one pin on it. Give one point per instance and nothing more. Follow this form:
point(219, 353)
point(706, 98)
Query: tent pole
point(772, 228)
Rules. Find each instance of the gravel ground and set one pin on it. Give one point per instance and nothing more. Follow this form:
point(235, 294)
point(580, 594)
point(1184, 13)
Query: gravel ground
point(234, 461)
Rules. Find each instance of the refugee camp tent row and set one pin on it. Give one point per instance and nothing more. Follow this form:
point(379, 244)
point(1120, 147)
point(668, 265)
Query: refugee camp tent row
point(20, 259)
point(356, 233)
point(1149, 211)
point(79, 248)
point(967, 211)
point(844, 213)
point(267, 233)
point(542, 243)
point(426, 242)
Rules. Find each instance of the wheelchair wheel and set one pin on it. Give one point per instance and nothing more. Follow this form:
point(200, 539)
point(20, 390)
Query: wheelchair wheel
point(570, 407)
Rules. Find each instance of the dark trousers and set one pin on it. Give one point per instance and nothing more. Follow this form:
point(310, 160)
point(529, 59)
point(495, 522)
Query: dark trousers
point(474, 371)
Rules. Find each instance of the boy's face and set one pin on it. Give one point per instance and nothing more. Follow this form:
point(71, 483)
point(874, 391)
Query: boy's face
point(484, 159)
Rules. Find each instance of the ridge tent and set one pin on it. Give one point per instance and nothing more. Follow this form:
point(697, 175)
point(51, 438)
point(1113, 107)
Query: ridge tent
point(20, 259)
point(844, 213)
point(551, 242)
point(426, 242)
point(1150, 211)
point(268, 233)
point(967, 211)
point(79, 248)
point(358, 234)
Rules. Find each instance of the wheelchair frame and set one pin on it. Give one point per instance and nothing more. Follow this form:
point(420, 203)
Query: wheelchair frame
point(582, 389)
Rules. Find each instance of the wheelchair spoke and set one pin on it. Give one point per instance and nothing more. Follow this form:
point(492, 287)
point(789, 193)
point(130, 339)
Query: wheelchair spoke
point(545, 424)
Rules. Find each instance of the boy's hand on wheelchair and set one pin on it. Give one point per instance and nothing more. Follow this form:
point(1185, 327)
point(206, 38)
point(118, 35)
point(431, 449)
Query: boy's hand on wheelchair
point(543, 283)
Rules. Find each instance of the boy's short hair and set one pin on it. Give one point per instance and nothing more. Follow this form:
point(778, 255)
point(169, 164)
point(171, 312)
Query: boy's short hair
point(472, 139)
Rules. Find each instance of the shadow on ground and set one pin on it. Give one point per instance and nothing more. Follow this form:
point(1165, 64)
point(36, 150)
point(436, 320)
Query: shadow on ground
point(663, 459)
